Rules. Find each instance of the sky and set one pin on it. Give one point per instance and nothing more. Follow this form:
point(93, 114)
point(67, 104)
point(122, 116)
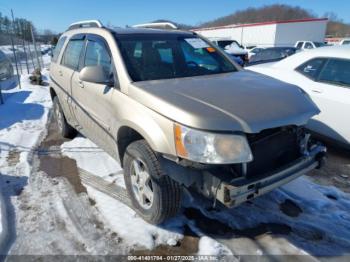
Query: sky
point(57, 15)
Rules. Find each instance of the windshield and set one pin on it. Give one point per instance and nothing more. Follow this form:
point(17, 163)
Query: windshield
point(151, 57)
point(319, 44)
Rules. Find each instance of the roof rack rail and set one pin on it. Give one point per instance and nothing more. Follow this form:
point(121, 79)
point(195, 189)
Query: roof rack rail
point(85, 24)
point(161, 25)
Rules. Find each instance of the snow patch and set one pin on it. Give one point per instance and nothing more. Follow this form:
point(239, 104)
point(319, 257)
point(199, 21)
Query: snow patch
point(123, 220)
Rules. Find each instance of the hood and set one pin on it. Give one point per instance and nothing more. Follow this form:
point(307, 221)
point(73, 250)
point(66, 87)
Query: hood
point(240, 101)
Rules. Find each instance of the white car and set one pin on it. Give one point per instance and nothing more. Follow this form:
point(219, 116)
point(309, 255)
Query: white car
point(324, 74)
point(345, 41)
point(304, 45)
point(253, 51)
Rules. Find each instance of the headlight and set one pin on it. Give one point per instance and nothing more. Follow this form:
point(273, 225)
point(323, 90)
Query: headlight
point(211, 148)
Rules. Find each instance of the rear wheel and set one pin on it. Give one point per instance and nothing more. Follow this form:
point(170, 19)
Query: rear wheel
point(64, 128)
point(155, 196)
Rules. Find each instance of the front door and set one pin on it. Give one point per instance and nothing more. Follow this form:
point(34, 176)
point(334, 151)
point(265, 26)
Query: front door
point(93, 100)
point(331, 93)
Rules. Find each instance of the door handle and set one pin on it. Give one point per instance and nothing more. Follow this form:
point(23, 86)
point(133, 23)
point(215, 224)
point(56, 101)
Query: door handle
point(81, 84)
point(316, 91)
point(60, 73)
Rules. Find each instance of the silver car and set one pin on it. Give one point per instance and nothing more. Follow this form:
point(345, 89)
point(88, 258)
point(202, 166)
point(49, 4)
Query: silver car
point(178, 114)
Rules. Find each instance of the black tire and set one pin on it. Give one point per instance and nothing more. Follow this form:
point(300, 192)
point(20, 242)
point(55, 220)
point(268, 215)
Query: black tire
point(166, 192)
point(64, 128)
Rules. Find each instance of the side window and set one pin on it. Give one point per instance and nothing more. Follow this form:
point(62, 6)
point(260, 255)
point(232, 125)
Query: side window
point(308, 45)
point(97, 54)
point(346, 42)
point(311, 68)
point(336, 71)
point(58, 48)
point(72, 53)
point(300, 45)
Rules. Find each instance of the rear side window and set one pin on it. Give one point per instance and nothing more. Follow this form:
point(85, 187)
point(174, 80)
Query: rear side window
point(58, 48)
point(311, 68)
point(336, 71)
point(97, 54)
point(72, 53)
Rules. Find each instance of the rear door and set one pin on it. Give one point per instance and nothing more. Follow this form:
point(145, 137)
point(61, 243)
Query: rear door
point(65, 70)
point(93, 100)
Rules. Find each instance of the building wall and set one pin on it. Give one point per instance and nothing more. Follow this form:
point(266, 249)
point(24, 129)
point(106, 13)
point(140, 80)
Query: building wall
point(226, 33)
point(263, 35)
point(270, 34)
point(287, 34)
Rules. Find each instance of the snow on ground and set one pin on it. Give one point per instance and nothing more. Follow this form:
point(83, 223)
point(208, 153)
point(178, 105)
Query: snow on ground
point(23, 118)
point(123, 220)
point(46, 216)
point(322, 228)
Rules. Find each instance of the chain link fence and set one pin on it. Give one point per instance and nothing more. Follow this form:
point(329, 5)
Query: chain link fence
point(20, 57)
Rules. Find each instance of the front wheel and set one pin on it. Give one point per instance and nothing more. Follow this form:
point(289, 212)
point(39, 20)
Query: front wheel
point(154, 195)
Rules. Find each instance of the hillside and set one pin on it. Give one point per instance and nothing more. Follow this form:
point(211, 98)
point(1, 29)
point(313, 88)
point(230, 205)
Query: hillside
point(262, 14)
point(275, 12)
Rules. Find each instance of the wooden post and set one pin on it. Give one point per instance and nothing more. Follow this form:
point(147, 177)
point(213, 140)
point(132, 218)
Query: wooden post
point(35, 49)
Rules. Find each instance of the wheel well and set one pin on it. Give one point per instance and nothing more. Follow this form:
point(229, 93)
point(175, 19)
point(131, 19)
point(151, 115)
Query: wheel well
point(52, 93)
point(126, 136)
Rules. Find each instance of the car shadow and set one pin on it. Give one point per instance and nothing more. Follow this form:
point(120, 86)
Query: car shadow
point(15, 110)
point(10, 186)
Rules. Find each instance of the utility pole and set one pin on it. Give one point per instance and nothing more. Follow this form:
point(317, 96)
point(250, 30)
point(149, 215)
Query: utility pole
point(35, 49)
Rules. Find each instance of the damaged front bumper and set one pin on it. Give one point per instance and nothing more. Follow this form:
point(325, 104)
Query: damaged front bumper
point(233, 191)
point(241, 190)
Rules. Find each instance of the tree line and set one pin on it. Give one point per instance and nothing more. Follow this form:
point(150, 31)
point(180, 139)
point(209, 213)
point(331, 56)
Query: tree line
point(20, 29)
point(277, 12)
point(280, 12)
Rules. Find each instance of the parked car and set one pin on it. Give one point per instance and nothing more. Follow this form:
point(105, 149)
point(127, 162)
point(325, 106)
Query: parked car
point(324, 74)
point(345, 41)
point(6, 69)
point(271, 54)
point(253, 51)
point(173, 122)
point(302, 45)
point(232, 47)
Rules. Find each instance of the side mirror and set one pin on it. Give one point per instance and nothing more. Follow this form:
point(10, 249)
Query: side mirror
point(95, 74)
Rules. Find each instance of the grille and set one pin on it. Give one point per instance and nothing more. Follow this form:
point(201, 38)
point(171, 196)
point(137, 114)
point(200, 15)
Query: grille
point(272, 149)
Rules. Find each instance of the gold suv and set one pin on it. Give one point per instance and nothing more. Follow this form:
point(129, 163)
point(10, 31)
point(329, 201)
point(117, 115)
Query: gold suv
point(178, 114)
